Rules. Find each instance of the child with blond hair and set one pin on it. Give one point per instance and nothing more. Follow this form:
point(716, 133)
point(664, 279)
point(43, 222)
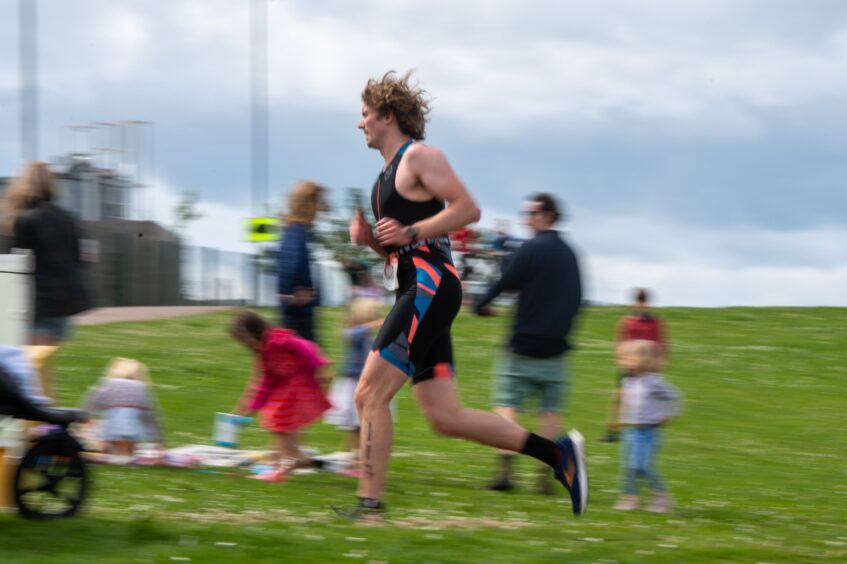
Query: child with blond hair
point(647, 403)
point(363, 319)
point(125, 401)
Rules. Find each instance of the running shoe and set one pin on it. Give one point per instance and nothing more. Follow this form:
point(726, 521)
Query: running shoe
point(571, 469)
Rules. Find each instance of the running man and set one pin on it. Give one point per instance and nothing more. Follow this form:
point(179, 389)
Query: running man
point(417, 200)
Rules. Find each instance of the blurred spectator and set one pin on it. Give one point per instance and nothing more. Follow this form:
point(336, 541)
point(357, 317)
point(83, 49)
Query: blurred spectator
point(361, 280)
point(52, 234)
point(545, 273)
point(462, 240)
point(286, 387)
point(363, 319)
point(366, 287)
point(463, 247)
point(647, 403)
point(298, 284)
point(642, 324)
point(124, 397)
point(504, 245)
point(15, 362)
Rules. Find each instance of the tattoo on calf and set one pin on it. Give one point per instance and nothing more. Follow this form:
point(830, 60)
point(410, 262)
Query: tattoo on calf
point(369, 472)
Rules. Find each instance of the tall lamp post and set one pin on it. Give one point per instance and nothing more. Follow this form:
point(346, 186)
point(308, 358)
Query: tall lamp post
point(259, 135)
point(28, 51)
point(259, 104)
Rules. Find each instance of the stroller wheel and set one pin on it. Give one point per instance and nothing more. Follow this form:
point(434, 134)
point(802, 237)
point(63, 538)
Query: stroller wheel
point(51, 481)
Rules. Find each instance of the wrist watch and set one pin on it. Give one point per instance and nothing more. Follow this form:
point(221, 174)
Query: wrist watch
point(412, 233)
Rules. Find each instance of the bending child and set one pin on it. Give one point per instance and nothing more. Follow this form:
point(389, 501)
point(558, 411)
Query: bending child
point(285, 387)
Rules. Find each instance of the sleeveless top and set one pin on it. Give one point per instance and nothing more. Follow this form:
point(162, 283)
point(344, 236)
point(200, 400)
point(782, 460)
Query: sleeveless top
point(387, 202)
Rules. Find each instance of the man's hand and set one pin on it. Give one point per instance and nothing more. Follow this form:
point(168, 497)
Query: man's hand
point(302, 296)
point(360, 230)
point(485, 311)
point(391, 233)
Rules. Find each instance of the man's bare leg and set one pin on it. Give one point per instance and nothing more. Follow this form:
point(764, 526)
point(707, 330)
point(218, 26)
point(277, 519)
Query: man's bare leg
point(440, 403)
point(439, 400)
point(379, 383)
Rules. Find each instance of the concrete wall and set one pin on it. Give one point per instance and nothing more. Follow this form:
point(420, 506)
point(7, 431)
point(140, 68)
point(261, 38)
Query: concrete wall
point(15, 298)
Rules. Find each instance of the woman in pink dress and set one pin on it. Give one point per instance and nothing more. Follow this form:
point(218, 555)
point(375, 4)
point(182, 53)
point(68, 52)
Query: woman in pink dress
point(286, 388)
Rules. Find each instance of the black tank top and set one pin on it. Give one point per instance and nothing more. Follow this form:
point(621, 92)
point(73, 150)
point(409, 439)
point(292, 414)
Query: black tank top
point(387, 202)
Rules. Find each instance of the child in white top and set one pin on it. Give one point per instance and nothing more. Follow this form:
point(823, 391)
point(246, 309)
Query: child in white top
point(124, 398)
point(647, 403)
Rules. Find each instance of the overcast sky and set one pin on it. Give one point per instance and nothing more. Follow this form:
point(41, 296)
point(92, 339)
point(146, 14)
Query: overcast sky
point(698, 146)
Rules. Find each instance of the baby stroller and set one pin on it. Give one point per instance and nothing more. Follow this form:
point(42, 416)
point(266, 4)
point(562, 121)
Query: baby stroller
point(51, 479)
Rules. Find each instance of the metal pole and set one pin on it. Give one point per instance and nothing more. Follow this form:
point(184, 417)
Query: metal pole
point(28, 13)
point(259, 104)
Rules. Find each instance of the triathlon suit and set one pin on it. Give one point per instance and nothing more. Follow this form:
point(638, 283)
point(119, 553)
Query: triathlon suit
point(416, 334)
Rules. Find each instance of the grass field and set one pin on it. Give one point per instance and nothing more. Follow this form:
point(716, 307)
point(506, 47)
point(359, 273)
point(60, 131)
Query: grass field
point(756, 463)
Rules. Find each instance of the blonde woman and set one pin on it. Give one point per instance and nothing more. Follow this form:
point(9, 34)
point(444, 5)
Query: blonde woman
point(36, 223)
point(297, 286)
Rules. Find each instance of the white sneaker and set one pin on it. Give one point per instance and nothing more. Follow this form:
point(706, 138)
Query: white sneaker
point(661, 503)
point(626, 503)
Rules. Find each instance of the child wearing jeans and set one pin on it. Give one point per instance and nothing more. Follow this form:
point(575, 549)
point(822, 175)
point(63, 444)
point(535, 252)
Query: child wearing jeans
point(647, 403)
point(286, 387)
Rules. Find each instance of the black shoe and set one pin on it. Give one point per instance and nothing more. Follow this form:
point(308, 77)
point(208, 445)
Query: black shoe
point(611, 437)
point(365, 510)
point(500, 485)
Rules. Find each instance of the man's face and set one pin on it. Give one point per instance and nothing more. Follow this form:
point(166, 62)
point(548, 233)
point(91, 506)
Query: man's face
point(534, 218)
point(372, 125)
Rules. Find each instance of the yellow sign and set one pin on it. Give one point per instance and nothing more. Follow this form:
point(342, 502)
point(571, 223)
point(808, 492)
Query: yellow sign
point(262, 229)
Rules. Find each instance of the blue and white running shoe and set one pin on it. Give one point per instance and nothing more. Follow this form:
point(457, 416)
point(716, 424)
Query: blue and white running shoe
point(571, 469)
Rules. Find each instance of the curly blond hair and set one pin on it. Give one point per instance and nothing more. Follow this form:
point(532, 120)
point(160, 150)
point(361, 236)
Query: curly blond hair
point(392, 94)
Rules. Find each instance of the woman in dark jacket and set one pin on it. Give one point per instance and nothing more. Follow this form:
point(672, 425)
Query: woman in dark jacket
point(52, 234)
point(297, 284)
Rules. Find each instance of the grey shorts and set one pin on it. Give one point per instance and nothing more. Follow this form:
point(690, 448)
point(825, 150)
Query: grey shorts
point(520, 378)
